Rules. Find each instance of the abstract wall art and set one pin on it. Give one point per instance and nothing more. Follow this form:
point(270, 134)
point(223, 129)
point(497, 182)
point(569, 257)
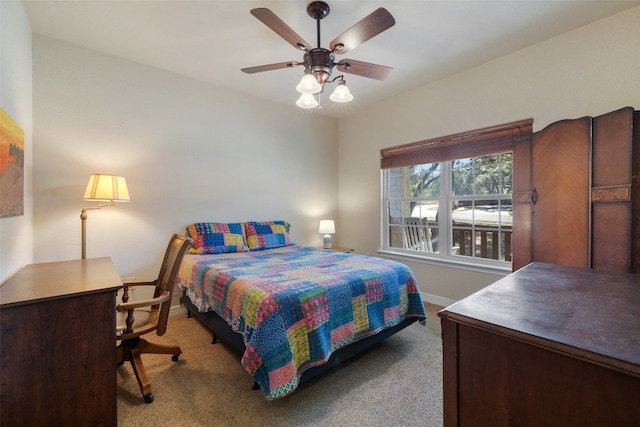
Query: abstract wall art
point(11, 167)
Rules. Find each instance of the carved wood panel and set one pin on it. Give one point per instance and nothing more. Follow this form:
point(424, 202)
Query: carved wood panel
point(576, 198)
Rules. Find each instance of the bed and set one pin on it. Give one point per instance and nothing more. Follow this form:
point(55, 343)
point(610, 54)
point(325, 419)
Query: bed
point(292, 311)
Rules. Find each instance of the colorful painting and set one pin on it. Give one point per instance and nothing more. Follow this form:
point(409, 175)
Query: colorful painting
point(11, 167)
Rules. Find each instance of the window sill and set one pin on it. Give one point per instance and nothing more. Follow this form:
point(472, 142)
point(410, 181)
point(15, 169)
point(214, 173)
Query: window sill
point(502, 270)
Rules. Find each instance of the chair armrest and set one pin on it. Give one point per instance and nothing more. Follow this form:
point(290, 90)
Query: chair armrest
point(130, 306)
point(144, 303)
point(130, 284)
point(126, 286)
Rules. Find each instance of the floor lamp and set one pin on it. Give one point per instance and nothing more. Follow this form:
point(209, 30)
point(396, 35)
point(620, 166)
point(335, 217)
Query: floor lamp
point(102, 188)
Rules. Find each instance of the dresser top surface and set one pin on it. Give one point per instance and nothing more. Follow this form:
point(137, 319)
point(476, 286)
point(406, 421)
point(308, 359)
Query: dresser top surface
point(587, 310)
point(52, 280)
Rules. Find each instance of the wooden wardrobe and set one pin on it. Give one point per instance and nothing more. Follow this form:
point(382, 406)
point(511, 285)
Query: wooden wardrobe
point(576, 197)
point(551, 344)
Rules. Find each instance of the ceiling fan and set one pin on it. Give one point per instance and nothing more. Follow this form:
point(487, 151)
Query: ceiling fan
point(319, 62)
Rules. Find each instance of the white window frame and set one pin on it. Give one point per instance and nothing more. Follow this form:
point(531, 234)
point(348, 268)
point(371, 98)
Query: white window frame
point(482, 142)
point(445, 227)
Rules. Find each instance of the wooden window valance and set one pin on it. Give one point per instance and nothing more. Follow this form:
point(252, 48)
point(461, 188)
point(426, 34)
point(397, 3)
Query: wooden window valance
point(480, 142)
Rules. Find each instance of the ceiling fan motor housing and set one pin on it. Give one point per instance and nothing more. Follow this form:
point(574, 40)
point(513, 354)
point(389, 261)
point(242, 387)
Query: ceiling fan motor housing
point(320, 62)
point(318, 9)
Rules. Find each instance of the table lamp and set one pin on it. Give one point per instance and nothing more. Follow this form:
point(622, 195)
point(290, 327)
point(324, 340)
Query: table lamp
point(327, 227)
point(102, 188)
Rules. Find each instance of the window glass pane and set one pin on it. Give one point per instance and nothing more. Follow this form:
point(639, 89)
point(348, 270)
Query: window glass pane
point(461, 226)
point(488, 160)
point(506, 222)
point(421, 226)
point(398, 178)
point(395, 218)
point(425, 180)
point(487, 179)
point(462, 181)
point(396, 237)
point(462, 213)
point(507, 173)
point(487, 216)
point(414, 229)
point(482, 228)
point(487, 213)
point(427, 209)
point(462, 163)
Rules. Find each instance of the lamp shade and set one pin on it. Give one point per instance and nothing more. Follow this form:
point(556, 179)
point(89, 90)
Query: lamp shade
point(106, 188)
point(307, 100)
point(341, 94)
point(327, 226)
point(308, 84)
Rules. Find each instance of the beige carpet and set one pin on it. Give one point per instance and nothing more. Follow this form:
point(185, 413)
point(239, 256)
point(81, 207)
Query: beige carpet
point(398, 382)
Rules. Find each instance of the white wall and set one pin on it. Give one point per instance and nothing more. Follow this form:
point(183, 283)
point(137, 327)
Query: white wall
point(590, 71)
point(16, 233)
point(190, 152)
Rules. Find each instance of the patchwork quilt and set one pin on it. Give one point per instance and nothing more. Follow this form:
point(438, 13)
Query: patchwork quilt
point(295, 305)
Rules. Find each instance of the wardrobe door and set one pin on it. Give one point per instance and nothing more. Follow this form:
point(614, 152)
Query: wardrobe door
point(560, 175)
point(522, 194)
point(635, 195)
point(611, 190)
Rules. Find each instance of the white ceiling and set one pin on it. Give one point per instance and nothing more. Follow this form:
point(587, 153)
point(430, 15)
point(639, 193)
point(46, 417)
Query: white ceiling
point(211, 40)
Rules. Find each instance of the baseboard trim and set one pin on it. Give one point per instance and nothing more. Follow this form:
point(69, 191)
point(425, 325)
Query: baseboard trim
point(437, 300)
point(177, 309)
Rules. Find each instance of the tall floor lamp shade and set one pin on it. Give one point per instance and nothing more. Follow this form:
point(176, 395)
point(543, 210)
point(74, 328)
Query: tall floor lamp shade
point(102, 188)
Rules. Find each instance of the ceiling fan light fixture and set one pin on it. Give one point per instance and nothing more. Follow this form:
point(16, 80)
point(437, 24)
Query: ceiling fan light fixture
point(307, 100)
point(319, 62)
point(341, 93)
point(308, 84)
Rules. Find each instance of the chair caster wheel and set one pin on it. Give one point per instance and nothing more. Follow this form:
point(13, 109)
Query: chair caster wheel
point(148, 398)
point(174, 358)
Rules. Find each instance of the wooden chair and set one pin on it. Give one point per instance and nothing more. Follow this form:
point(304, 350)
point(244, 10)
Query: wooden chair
point(136, 318)
point(417, 235)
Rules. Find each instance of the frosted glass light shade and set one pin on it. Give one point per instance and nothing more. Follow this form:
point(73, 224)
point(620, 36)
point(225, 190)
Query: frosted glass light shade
point(341, 94)
point(106, 187)
point(307, 100)
point(308, 84)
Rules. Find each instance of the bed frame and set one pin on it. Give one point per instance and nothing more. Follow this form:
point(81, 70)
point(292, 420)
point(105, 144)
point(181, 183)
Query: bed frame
point(221, 330)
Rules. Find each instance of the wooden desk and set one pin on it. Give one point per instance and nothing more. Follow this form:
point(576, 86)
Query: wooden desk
point(544, 346)
point(57, 344)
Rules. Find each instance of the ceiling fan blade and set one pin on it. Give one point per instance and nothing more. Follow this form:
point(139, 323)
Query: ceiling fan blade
point(364, 69)
point(270, 19)
point(269, 67)
point(369, 27)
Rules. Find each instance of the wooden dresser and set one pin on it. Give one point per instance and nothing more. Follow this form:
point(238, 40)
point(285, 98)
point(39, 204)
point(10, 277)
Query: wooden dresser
point(57, 344)
point(547, 345)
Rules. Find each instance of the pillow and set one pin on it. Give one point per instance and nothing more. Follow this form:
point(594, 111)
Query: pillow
point(216, 238)
point(267, 235)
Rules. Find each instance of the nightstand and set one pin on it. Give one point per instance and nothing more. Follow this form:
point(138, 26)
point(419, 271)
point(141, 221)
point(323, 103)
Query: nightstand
point(341, 249)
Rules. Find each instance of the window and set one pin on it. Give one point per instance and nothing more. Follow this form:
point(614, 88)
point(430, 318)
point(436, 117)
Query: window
point(451, 198)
